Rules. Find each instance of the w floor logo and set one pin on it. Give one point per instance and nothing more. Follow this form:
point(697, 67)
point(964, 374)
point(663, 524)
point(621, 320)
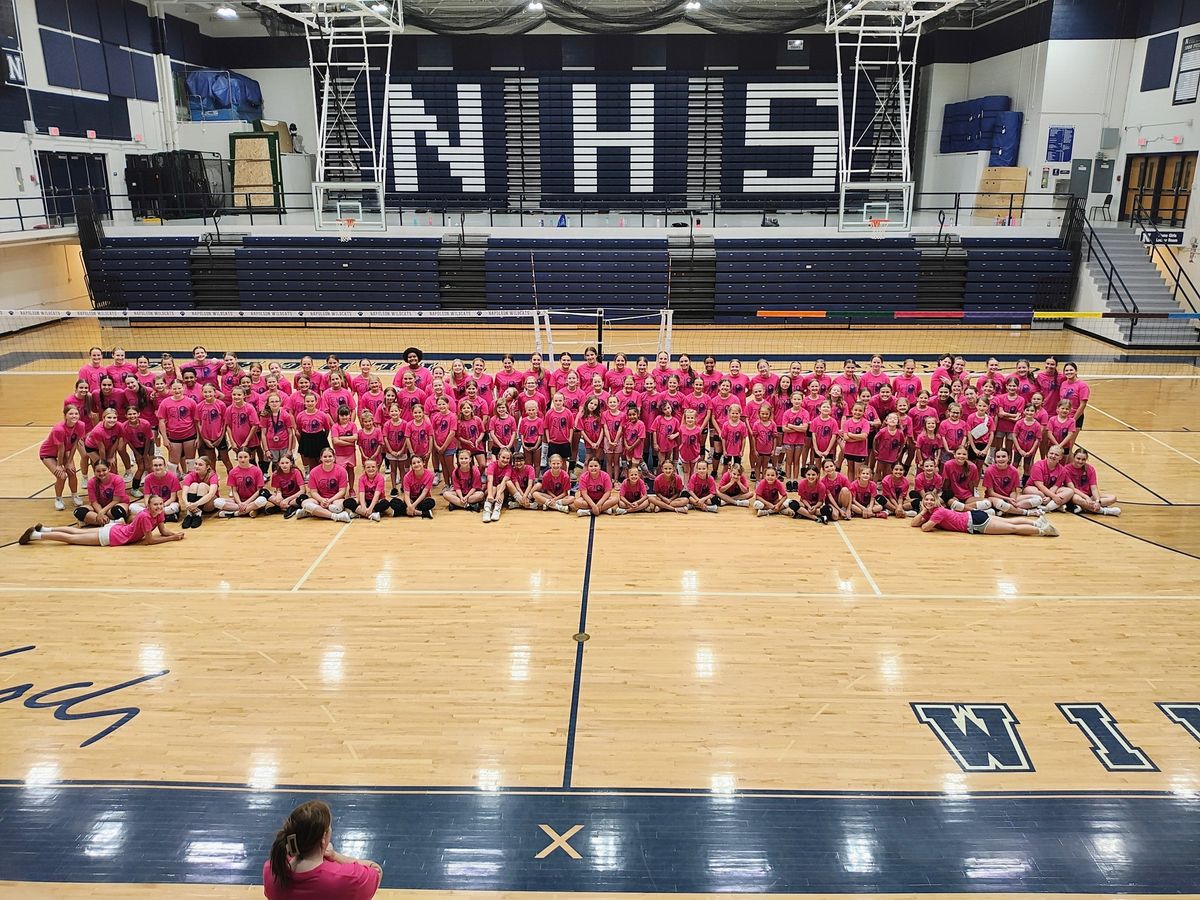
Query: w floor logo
point(982, 737)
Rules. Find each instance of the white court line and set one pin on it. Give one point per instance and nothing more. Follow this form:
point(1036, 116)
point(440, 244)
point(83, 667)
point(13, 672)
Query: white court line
point(19, 452)
point(631, 595)
point(320, 558)
point(1146, 434)
point(858, 559)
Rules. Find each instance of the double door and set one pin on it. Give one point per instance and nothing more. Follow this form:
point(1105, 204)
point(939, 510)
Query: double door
point(66, 176)
point(1159, 185)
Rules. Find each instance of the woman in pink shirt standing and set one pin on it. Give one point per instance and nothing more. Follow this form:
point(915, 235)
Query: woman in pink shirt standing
point(304, 863)
point(147, 527)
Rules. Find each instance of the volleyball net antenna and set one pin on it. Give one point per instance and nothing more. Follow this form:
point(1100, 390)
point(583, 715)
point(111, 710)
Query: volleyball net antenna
point(41, 341)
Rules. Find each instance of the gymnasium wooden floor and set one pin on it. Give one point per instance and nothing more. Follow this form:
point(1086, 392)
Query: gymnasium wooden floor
point(759, 705)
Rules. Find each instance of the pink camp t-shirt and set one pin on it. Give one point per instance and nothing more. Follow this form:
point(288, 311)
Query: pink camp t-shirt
point(691, 442)
point(162, 486)
point(702, 486)
point(343, 881)
point(556, 485)
point(106, 491)
point(559, 425)
point(595, 486)
point(371, 487)
point(60, 436)
point(241, 421)
point(180, 416)
point(327, 483)
point(143, 523)
point(466, 482)
point(1004, 481)
point(949, 520)
point(413, 486)
point(246, 482)
point(1042, 473)
point(894, 487)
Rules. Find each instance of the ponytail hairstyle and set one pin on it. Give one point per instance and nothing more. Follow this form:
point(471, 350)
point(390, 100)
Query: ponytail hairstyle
point(303, 829)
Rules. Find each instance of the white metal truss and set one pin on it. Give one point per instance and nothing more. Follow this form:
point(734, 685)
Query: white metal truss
point(877, 42)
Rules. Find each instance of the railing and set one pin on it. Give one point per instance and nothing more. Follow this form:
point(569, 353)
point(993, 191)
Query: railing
point(1077, 230)
point(295, 207)
point(1182, 287)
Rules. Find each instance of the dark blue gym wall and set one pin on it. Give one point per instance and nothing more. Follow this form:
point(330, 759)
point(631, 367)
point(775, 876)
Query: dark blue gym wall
point(103, 47)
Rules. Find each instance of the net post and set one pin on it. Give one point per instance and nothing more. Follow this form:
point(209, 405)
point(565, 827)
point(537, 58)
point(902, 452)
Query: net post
point(600, 335)
point(669, 314)
point(549, 334)
point(537, 331)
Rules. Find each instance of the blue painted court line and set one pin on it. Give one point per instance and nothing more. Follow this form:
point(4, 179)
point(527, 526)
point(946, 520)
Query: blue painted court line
point(569, 760)
point(482, 840)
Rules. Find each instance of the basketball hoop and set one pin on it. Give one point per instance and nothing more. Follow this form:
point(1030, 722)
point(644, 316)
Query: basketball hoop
point(346, 229)
point(878, 228)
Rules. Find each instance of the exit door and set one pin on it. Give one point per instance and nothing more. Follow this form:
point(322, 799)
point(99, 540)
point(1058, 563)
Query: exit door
point(1159, 185)
point(66, 176)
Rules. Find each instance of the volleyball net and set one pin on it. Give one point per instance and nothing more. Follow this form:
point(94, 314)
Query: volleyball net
point(54, 341)
point(57, 341)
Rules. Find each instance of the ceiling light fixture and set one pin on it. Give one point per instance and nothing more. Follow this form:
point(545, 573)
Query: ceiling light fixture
point(534, 6)
point(226, 12)
point(379, 7)
point(693, 5)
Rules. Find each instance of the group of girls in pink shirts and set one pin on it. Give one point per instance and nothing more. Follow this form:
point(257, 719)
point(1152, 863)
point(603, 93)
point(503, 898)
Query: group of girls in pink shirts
point(586, 436)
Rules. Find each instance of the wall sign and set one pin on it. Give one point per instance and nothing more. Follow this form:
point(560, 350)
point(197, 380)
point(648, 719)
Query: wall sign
point(1060, 144)
point(1187, 79)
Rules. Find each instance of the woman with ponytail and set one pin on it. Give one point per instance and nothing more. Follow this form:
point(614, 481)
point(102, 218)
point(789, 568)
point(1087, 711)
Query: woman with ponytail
point(303, 863)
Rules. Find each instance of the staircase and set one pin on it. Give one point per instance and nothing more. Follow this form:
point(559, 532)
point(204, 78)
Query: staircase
point(1147, 286)
point(462, 276)
point(214, 272)
point(942, 277)
point(693, 271)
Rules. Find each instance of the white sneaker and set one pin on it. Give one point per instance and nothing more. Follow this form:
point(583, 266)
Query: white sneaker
point(910, 513)
point(1045, 529)
point(742, 502)
point(1110, 510)
point(77, 500)
point(487, 512)
point(302, 513)
point(562, 507)
point(616, 511)
point(759, 505)
point(761, 512)
point(496, 512)
point(343, 516)
point(1049, 507)
point(583, 513)
point(58, 504)
point(375, 517)
point(713, 509)
point(227, 514)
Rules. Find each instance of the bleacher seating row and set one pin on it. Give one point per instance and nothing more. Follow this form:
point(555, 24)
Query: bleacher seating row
point(838, 275)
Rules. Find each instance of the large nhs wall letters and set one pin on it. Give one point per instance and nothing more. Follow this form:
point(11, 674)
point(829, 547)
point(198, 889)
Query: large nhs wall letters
point(590, 137)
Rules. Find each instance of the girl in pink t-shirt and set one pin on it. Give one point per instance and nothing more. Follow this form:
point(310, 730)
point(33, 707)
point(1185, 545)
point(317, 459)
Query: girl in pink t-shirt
point(1002, 486)
point(287, 488)
point(691, 442)
point(304, 865)
point(344, 438)
point(702, 488)
point(1026, 439)
point(793, 422)
point(670, 494)
point(1061, 428)
point(763, 434)
point(666, 432)
point(837, 486)
point(58, 455)
point(1081, 476)
point(328, 487)
point(497, 484)
point(865, 500)
point(595, 494)
point(934, 516)
point(416, 492)
point(632, 495)
point(553, 491)
point(733, 487)
point(107, 499)
point(104, 441)
point(246, 493)
point(146, 528)
point(812, 501)
point(531, 428)
point(464, 483)
point(371, 499)
point(895, 490)
point(612, 419)
point(771, 496)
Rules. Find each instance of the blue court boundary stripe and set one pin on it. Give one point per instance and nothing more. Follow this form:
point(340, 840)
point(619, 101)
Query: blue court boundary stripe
point(710, 842)
point(761, 793)
point(573, 721)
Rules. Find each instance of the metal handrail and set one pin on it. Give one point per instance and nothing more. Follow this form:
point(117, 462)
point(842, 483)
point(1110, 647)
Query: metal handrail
point(1181, 278)
point(1107, 266)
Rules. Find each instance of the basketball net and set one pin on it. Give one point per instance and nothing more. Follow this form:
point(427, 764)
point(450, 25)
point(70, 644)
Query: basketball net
point(345, 229)
point(878, 228)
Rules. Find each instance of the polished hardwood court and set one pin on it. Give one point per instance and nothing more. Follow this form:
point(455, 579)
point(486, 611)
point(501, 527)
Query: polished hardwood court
point(723, 703)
